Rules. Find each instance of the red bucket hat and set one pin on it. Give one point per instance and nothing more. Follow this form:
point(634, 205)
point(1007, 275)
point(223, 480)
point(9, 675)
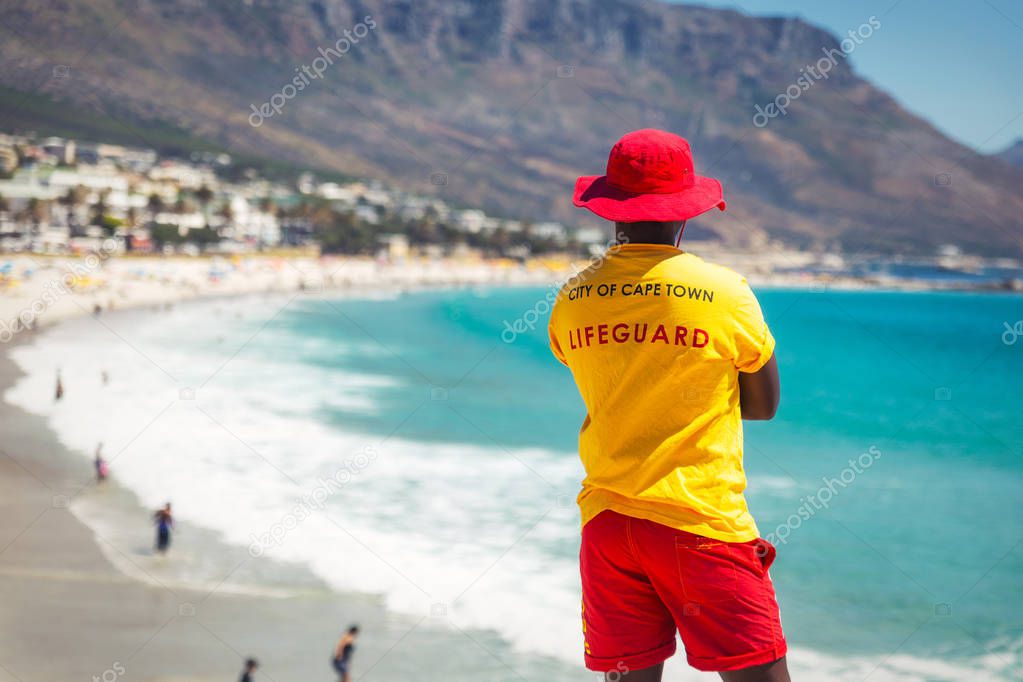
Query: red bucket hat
point(650, 176)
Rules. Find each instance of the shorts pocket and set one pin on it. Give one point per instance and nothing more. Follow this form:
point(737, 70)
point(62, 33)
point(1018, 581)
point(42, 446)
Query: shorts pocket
point(765, 553)
point(706, 569)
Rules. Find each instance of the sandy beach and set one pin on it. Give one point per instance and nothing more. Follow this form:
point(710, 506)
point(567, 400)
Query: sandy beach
point(69, 613)
point(36, 290)
point(82, 594)
point(78, 604)
point(39, 290)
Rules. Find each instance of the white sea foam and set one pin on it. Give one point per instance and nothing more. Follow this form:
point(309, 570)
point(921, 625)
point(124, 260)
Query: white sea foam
point(467, 536)
point(458, 532)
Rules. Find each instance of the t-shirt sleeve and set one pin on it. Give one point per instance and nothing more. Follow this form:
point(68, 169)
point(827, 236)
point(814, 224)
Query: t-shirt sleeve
point(555, 345)
point(553, 336)
point(754, 344)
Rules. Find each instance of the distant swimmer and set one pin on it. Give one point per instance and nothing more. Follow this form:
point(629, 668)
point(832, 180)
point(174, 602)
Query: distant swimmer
point(102, 470)
point(250, 667)
point(164, 523)
point(59, 393)
point(343, 653)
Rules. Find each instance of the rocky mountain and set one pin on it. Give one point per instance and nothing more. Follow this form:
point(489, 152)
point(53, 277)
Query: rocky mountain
point(1013, 153)
point(502, 103)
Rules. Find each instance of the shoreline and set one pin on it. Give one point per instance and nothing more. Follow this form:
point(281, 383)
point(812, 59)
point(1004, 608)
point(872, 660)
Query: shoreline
point(36, 291)
point(108, 607)
point(61, 593)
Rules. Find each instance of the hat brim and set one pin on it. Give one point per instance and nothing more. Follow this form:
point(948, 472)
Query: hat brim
point(594, 193)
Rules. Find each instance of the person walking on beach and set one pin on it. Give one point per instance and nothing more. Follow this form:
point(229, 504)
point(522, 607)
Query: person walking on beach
point(102, 470)
point(343, 653)
point(59, 392)
point(164, 524)
point(251, 665)
point(670, 353)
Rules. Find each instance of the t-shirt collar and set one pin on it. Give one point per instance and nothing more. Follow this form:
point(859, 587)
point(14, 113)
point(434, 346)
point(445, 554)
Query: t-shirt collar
point(643, 246)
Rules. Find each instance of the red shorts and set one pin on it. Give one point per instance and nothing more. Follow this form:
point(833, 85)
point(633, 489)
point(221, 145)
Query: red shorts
point(642, 580)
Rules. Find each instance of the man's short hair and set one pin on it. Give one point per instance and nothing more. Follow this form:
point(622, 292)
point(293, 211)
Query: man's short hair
point(650, 224)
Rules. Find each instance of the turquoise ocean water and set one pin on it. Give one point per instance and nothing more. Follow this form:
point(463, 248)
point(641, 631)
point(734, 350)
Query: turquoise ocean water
point(919, 554)
point(910, 562)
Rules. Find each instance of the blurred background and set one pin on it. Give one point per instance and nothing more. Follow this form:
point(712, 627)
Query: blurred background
point(288, 266)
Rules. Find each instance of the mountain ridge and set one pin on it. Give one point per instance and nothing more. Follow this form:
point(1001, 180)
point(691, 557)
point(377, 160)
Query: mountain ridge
point(503, 103)
point(1013, 153)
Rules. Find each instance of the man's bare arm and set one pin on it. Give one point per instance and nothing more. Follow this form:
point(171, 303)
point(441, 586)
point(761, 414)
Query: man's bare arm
point(760, 391)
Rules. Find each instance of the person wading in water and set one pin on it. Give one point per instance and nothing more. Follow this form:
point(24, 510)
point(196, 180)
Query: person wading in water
point(343, 653)
point(164, 524)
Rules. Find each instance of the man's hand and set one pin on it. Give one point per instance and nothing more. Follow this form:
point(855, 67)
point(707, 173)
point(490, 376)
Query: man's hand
point(760, 391)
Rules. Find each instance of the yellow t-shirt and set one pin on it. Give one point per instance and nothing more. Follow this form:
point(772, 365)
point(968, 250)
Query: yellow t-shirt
point(655, 339)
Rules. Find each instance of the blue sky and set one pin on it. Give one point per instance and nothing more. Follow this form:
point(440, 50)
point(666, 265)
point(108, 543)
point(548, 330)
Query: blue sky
point(955, 62)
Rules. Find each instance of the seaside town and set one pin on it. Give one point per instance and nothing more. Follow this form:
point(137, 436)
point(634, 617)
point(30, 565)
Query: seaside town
point(68, 197)
point(65, 196)
point(90, 226)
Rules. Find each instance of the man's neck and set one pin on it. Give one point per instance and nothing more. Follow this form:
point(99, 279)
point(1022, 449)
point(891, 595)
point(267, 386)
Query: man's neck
point(663, 233)
point(625, 237)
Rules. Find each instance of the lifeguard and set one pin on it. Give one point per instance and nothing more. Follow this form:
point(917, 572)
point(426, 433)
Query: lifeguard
point(668, 543)
point(638, 332)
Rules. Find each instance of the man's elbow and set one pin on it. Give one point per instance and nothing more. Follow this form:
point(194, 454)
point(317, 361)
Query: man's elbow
point(760, 392)
point(761, 412)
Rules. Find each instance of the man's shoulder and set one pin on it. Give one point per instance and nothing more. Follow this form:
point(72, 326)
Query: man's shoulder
point(683, 268)
point(597, 271)
point(693, 266)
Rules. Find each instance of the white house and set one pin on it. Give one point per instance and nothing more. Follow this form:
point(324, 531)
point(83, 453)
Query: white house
point(249, 223)
point(186, 176)
point(550, 230)
point(91, 177)
point(470, 220)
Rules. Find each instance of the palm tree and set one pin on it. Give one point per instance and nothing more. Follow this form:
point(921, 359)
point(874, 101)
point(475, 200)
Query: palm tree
point(38, 210)
point(99, 209)
point(155, 203)
point(268, 205)
point(72, 200)
point(73, 197)
point(227, 213)
point(204, 195)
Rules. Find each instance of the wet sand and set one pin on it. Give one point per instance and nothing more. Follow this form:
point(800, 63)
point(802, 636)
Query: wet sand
point(68, 613)
point(91, 601)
